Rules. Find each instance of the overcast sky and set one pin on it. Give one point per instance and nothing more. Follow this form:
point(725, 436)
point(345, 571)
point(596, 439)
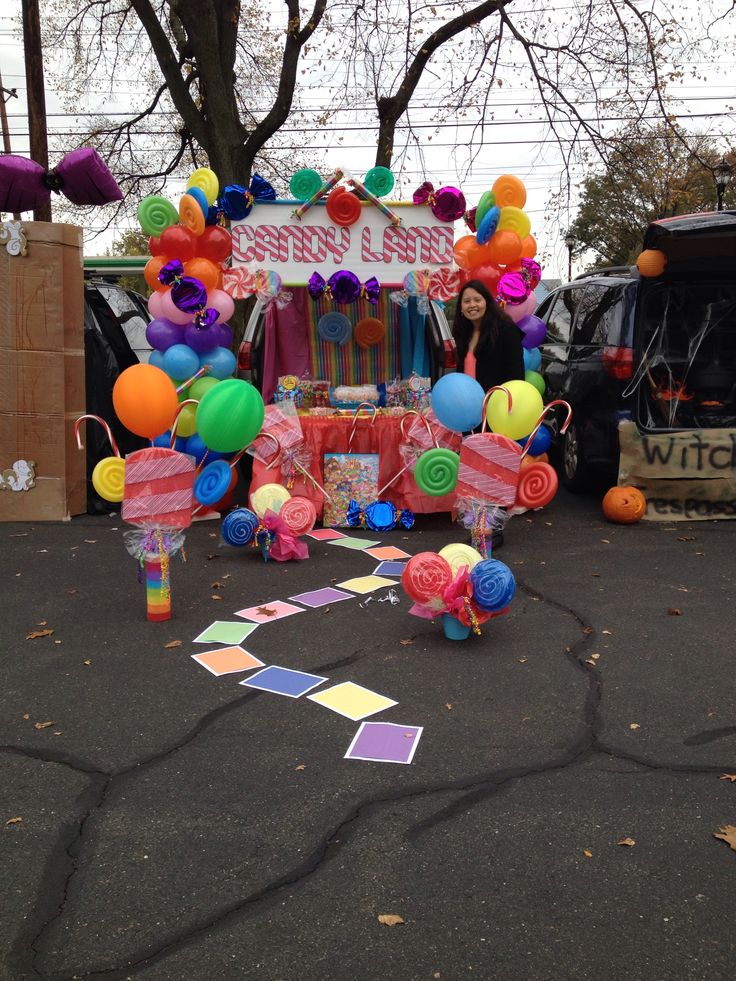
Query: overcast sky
point(515, 141)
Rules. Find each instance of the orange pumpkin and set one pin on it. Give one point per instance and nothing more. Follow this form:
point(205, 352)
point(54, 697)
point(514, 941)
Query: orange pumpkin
point(651, 262)
point(624, 505)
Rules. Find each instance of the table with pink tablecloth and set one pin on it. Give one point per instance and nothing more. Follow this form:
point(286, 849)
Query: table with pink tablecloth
point(331, 434)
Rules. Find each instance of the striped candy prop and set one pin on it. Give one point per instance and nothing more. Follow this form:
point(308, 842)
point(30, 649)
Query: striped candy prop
point(489, 468)
point(159, 485)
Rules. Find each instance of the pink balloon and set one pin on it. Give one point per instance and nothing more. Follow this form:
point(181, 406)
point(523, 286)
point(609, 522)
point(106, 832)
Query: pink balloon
point(515, 311)
point(172, 312)
point(222, 302)
point(530, 304)
point(154, 305)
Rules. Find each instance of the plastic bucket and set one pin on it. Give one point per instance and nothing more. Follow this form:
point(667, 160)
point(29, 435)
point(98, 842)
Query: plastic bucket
point(454, 629)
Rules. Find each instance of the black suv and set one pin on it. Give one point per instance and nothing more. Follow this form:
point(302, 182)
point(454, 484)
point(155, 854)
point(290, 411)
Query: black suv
point(660, 350)
point(588, 360)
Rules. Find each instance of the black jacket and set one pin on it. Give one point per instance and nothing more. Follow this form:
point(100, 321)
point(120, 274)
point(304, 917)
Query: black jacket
point(499, 359)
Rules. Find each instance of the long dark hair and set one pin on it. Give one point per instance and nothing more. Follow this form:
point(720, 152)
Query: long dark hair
point(462, 329)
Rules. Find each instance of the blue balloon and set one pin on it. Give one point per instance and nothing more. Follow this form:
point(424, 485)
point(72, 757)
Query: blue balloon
point(221, 362)
point(199, 196)
point(196, 448)
point(180, 361)
point(532, 359)
point(165, 440)
point(457, 401)
point(540, 443)
point(156, 358)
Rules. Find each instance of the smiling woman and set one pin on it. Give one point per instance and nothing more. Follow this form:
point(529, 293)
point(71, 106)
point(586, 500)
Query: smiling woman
point(489, 344)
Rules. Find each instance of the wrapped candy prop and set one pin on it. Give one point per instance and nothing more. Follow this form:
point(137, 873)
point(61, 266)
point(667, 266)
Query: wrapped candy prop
point(236, 202)
point(465, 594)
point(81, 176)
point(281, 442)
point(378, 516)
point(447, 204)
point(343, 287)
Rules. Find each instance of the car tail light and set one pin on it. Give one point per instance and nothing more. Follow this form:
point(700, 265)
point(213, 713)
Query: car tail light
point(450, 363)
point(618, 362)
point(244, 356)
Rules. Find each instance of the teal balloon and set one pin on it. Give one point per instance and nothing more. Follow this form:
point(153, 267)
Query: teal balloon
point(457, 401)
point(532, 359)
point(230, 416)
point(535, 379)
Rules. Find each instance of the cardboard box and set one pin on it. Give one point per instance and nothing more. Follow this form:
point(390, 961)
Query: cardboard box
point(42, 384)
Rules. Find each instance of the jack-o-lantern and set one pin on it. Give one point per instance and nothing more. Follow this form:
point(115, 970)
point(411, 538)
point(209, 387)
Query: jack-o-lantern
point(624, 505)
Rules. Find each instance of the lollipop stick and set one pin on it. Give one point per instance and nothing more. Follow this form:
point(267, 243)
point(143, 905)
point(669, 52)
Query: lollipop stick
point(384, 209)
point(325, 189)
point(158, 591)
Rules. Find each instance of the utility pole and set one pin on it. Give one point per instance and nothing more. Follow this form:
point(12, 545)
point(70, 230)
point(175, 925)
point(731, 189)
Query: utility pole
point(36, 94)
point(6, 94)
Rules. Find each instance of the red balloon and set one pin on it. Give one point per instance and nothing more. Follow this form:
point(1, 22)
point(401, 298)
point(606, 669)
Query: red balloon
point(154, 245)
point(178, 242)
point(215, 243)
point(489, 275)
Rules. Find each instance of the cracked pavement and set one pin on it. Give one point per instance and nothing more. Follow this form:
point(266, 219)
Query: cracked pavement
point(176, 825)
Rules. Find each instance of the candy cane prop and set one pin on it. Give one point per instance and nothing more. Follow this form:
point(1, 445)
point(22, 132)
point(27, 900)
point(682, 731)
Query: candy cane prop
point(108, 476)
point(411, 412)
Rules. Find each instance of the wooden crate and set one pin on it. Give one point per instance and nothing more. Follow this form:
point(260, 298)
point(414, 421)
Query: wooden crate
point(42, 386)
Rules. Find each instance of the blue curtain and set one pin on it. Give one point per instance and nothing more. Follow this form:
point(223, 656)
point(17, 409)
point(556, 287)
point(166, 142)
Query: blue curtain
point(413, 341)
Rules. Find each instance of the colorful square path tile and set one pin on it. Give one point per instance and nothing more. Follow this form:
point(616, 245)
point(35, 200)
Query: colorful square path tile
point(283, 681)
point(385, 742)
point(353, 701)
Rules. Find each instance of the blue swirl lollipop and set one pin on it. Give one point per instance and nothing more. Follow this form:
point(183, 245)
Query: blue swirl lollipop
point(334, 327)
point(493, 585)
point(239, 527)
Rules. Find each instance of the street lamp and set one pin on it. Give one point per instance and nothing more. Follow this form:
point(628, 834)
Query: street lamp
point(570, 243)
point(723, 173)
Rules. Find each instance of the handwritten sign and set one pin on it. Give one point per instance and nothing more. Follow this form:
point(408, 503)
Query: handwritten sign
point(685, 476)
point(270, 238)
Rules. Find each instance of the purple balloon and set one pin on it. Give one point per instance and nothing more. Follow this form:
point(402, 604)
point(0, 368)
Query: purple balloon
point(202, 339)
point(534, 330)
point(162, 334)
point(226, 335)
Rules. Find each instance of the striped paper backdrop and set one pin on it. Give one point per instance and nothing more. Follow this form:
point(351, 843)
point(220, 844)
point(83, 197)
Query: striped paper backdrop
point(349, 364)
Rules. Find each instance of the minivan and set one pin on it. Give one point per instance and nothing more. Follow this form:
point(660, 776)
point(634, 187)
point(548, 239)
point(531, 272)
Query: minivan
point(658, 350)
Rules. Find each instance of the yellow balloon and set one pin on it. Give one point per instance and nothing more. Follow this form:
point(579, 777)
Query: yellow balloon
point(514, 220)
point(526, 409)
point(206, 180)
point(186, 421)
point(108, 478)
point(458, 554)
point(268, 497)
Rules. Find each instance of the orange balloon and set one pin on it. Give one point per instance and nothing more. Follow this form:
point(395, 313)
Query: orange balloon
point(145, 400)
point(204, 270)
point(152, 269)
point(528, 247)
point(509, 191)
point(528, 460)
point(463, 251)
point(504, 248)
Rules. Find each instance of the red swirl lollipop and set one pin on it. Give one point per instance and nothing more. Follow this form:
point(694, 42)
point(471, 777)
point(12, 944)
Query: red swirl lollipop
point(299, 514)
point(343, 207)
point(426, 576)
point(537, 485)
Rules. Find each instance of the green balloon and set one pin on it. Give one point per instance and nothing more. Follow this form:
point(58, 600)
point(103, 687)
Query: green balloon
point(436, 472)
point(535, 379)
point(230, 416)
point(487, 201)
point(200, 386)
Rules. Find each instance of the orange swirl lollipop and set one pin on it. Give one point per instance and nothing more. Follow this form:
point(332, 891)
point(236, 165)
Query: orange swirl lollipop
point(509, 191)
point(191, 215)
point(369, 331)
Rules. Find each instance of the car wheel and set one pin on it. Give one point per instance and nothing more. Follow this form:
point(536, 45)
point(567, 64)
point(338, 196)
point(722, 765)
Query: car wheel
point(572, 466)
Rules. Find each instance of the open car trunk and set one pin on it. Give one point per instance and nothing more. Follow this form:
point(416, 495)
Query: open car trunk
point(686, 327)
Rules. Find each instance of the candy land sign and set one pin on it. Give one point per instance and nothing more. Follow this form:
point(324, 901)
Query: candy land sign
point(272, 238)
point(685, 476)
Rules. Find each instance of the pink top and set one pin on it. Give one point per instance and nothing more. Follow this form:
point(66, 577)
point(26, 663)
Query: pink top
point(469, 366)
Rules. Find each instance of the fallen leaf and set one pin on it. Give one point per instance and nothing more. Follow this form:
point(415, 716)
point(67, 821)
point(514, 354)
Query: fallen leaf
point(216, 597)
point(20, 534)
point(88, 662)
point(728, 776)
point(629, 842)
point(263, 611)
point(43, 725)
point(57, 641)
point(213, 556)
point(406, 641)
point(16, 820)
point(674, 611)
point(301, 766)
point(686, 538)
point(449, 706)
point(327, 610)
point(213, 535)
point(38, 633)
point(217, 585)
point(594, 656)
point(171, 644)
point(90, 541)
point(608, 632)
point(587, 630)
point(634, 725)
point(727, 834)
point(596, 575)
point(390, 919)
point(587, 853)
point(683, 589)
point(227, 576)
point(42, 623)
point(522, 660)
point(72, 592)
point(606, 541)
point(59, 733)
point(26, 715)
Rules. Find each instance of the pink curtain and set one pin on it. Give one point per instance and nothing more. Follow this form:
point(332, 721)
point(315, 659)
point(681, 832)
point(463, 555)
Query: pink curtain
point(286, 344)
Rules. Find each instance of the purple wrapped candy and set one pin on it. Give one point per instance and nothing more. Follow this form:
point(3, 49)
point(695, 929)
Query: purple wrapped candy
point(371, 290)
point(344, 286)
point(534, 330)
point(531, 269)
point(316, 286)
point(513, 288)
point(206, 317)
point(172, 271)
point(202, 339)
point(82, 176)
point(189, 294)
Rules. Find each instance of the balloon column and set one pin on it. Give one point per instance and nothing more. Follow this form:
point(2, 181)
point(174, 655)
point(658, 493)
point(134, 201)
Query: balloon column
point(460, 586)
